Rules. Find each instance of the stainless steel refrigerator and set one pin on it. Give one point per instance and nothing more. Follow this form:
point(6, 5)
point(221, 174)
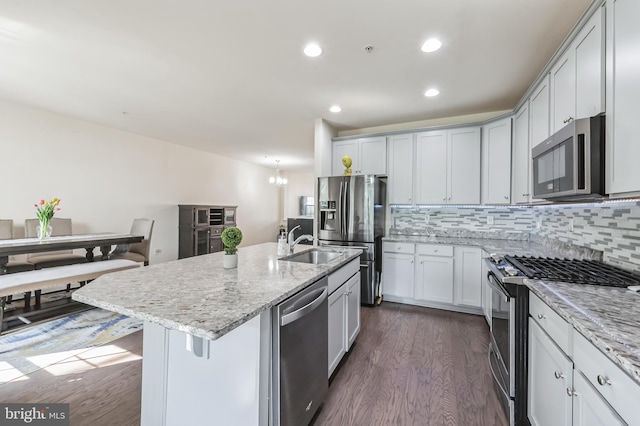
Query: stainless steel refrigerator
point(351, 212)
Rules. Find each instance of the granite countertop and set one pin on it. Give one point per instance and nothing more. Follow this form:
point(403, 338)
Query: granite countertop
point(608, 317)
point(497, 246)
point(198, 296)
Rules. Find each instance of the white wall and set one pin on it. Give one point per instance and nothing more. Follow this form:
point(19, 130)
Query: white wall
point(107, 177)
point(299, 184)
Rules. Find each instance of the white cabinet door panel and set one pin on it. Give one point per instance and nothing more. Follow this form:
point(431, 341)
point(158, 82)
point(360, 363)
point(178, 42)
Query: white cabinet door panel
point(340, 149)
point(431, 167)
point(373, 156)
point(539, 113)
point(496, 162)
point(550, 375)
point(464, 166)
point(563, 102)
point(397, 274)
point(589, 408)
point(336, 330)
point(434, 279)
point(521, 157)
point(467, 279)
point(589, 60)
point(400, 182)
point(353, 309)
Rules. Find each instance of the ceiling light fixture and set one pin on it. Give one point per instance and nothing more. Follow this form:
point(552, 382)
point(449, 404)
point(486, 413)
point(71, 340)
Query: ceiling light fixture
point(278, 179)
point(312, 50)
point(431, 45)
point(431, 93)
point(335, 108)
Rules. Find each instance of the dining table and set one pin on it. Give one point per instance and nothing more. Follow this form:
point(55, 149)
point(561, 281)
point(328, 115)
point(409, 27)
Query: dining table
point(69, 242)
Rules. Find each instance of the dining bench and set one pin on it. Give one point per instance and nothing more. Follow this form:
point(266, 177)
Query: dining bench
point(25, 282)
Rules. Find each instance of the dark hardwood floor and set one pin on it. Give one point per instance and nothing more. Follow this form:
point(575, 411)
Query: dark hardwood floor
point(409, 366)
point(415, 366)
point(102, 385)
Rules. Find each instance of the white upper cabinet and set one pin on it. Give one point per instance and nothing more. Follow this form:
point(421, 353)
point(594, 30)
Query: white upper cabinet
point(448, 166)
point(623, 92)
point(563, 92)
point(521, 157)
point(400, 180)
point(464, 166)
point(496, 162)
point(539, 113)
point(577, 79)
point(431, 167)
point(590, 64)
point(368, 155)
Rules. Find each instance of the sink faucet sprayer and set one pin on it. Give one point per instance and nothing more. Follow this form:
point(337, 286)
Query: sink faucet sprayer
point(293, 243)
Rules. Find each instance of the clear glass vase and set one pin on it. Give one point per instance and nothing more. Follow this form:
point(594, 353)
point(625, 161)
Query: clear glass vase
point(46, 227)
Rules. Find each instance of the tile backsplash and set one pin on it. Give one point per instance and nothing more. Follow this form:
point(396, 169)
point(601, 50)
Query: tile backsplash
point(612, 227)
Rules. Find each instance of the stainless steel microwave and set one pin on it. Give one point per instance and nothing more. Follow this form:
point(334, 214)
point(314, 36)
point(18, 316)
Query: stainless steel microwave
point(569, 165)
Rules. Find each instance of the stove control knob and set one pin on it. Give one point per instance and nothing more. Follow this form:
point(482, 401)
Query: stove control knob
point(495, 257)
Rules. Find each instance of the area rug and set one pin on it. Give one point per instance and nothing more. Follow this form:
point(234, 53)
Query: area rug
point(45, 344)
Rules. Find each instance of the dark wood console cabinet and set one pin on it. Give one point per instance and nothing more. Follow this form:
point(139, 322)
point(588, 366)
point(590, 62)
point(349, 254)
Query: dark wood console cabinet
point(200, 227)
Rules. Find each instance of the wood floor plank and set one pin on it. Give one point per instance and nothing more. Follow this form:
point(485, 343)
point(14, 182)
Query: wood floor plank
point(409, 366)
point(415, 366)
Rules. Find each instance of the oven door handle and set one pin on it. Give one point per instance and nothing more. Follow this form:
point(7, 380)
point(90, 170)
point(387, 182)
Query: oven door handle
point(493, 282)
point(495, 376)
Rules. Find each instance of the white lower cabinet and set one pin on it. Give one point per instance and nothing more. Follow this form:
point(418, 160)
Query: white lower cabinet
point(550, 375)
point(589, 408)
point(336, 331)
point(434, 279)
point(582, 387)
point(467, 276)
point(397, 269)
point(344, 320)
point(353, 309)
point(433, 275)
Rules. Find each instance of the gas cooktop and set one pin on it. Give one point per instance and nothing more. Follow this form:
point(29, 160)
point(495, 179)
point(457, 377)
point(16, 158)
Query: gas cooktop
point(572, 271)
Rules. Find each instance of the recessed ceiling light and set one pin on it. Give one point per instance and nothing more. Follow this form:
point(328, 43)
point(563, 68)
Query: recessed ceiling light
point(431, 45)
point(312, 50)
point(431, 93)
point(335, 108)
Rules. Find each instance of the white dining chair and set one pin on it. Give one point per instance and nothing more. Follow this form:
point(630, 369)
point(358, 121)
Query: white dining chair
point(138, 252)
point(60, 227)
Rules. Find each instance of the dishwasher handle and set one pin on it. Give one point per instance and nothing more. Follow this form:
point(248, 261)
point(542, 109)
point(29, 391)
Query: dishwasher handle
point(306, 309)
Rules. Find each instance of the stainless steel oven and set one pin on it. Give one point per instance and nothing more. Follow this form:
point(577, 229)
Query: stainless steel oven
point(508, 349)
point(502, 347)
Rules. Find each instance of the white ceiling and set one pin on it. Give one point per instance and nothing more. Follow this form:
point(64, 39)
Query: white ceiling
point(229, 77)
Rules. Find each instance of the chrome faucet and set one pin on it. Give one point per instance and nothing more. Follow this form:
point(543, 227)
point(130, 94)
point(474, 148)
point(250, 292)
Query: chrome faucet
point(293, 243)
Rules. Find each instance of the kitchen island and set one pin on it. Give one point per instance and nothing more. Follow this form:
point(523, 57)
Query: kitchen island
point(207, 330)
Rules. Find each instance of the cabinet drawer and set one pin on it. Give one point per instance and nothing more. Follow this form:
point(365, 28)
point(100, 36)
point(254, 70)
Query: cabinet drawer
point(406, 248)
point(557, 328)
point(339, 277)
point(435, 250)
point(216, 231)
point(620, 390)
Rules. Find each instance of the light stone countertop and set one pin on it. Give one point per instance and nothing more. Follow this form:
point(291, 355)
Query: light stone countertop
point(608, 317)
point(497, 246)
point(198, 296)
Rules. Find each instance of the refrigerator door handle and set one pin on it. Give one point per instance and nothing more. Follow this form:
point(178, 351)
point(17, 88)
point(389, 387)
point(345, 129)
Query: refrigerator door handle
point(340, 207)
point(345, 210)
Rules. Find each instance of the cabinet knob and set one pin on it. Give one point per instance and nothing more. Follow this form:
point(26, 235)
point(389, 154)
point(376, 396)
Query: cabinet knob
point(506, 197)
point(444, 199)
point(524, 195)
point(571, 392)
point(602, 380)
point(568, 120)
point(435, 250)
point(449, 198)
point(422, 262)
point(541, 316)
point(558, 374)
point(412, 261)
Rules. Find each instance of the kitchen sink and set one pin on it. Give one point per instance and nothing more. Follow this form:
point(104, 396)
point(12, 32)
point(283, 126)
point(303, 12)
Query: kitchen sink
point(314, 256)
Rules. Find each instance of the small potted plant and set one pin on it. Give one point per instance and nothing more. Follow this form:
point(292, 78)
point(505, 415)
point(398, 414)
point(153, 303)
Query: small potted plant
point(231, 238)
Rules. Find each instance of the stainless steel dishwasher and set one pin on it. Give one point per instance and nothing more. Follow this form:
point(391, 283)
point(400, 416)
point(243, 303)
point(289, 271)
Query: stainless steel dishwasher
point(300, 355)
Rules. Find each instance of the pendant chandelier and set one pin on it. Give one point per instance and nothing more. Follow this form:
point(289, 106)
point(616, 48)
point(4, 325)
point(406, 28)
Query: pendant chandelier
point(278, 179)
